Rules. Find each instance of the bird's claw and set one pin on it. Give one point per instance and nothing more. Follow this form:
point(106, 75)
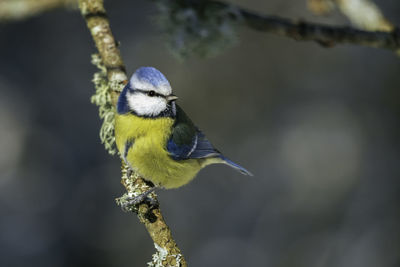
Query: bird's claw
point(131, 203)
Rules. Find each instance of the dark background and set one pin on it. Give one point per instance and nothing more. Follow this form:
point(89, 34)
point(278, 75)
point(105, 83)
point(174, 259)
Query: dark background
point(318, 128)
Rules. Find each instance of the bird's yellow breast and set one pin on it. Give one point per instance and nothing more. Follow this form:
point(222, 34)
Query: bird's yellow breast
point(148, 155)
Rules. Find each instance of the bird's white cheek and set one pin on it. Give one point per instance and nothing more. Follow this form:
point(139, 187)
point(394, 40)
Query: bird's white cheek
point(145, 105)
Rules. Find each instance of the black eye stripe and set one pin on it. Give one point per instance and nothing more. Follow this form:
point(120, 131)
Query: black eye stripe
point(148, 93)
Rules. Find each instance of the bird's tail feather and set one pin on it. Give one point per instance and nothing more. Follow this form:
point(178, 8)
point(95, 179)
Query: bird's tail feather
point(236, 166)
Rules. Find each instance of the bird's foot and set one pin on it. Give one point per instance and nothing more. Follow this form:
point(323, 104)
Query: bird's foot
point(131, 203)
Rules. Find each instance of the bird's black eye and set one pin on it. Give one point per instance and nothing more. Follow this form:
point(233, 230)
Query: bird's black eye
point(151, 93)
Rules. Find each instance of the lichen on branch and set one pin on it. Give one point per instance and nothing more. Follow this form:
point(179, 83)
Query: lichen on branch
point(168, 253)
point(102, 99)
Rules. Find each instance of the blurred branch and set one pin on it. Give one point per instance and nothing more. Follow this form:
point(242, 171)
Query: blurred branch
point(196, 12)
point(20, 9)
point(325, 35)
point(113, 71)
point(363, 14)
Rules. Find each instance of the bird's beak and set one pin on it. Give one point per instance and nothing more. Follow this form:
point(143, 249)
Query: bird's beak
point(171, 98)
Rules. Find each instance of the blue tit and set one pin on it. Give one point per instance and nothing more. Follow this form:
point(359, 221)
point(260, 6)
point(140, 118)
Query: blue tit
point(156, 138)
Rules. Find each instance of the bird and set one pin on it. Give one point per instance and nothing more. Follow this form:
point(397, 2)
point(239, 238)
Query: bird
point(156, 138)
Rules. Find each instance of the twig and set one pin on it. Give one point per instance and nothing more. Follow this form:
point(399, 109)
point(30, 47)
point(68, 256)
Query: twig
point(20, 9)
point(325, 35)
point(364, 14)
point(168, 253)
point(322, 34)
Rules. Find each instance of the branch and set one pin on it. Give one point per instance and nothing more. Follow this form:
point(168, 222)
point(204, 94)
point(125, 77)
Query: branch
point(364, 14)
point(19, 9)
point(192, 21)
point(113, 69)
point(325, 35)
point(322, 34)
point(96, 19)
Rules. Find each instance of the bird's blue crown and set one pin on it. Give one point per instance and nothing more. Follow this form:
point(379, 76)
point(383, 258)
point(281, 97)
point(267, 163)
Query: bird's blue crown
point(150, 75)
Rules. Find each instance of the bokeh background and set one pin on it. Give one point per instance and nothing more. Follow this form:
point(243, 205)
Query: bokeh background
point(318, 127)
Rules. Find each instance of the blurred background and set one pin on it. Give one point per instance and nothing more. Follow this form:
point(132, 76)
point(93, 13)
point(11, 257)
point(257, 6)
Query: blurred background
point(318, 127)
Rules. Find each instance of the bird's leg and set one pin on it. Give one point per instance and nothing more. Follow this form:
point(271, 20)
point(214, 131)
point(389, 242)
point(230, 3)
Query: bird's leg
point(128, 145)
point(129, 172)
point(143, 197)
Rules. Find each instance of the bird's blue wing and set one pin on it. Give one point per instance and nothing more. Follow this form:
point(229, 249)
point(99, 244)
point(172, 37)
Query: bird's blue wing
point(202, 147)
point(188, 142)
